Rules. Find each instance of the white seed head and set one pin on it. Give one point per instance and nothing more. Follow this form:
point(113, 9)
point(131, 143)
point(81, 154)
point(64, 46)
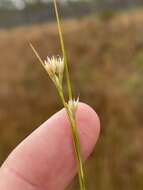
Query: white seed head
point(55, 65)
point(73, 105)
point(55, 68)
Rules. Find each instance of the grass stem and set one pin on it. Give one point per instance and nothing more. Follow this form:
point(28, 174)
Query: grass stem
point(69, 86)
point(76, 142)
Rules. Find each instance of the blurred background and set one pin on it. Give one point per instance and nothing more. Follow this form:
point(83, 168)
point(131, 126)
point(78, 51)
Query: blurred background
point(104, 40)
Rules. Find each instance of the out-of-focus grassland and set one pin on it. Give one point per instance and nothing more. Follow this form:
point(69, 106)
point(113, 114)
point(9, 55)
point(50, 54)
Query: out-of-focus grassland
point(106, 58)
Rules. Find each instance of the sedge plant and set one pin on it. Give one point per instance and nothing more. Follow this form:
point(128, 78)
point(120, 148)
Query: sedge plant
point(57, 67)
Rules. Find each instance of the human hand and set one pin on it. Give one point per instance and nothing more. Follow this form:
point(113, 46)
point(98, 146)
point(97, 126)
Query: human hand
point(45, 160)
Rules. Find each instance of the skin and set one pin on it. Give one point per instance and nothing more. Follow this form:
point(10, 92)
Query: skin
point(45, 160)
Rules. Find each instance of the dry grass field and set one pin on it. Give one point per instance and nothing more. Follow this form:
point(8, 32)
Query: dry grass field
point(106, 60)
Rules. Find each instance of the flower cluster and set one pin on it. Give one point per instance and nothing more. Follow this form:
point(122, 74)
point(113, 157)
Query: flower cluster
point(55, 68)
point(73, 105)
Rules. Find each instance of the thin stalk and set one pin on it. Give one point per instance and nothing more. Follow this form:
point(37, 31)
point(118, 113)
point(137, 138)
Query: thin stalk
point(76, 143)
point(69, 86)
point(37, 54)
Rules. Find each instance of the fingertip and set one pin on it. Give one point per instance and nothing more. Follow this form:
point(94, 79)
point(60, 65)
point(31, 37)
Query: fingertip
point(88, 127)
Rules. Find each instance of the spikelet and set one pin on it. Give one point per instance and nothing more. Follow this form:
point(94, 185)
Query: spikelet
point(73, 105)
point(55, 68)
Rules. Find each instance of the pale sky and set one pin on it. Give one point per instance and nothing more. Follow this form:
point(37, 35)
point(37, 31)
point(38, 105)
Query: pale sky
point(20, 3)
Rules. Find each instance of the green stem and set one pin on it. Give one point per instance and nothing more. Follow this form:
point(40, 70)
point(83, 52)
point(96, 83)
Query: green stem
point(78, 154)
point(76, 143)
point(63, 51)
